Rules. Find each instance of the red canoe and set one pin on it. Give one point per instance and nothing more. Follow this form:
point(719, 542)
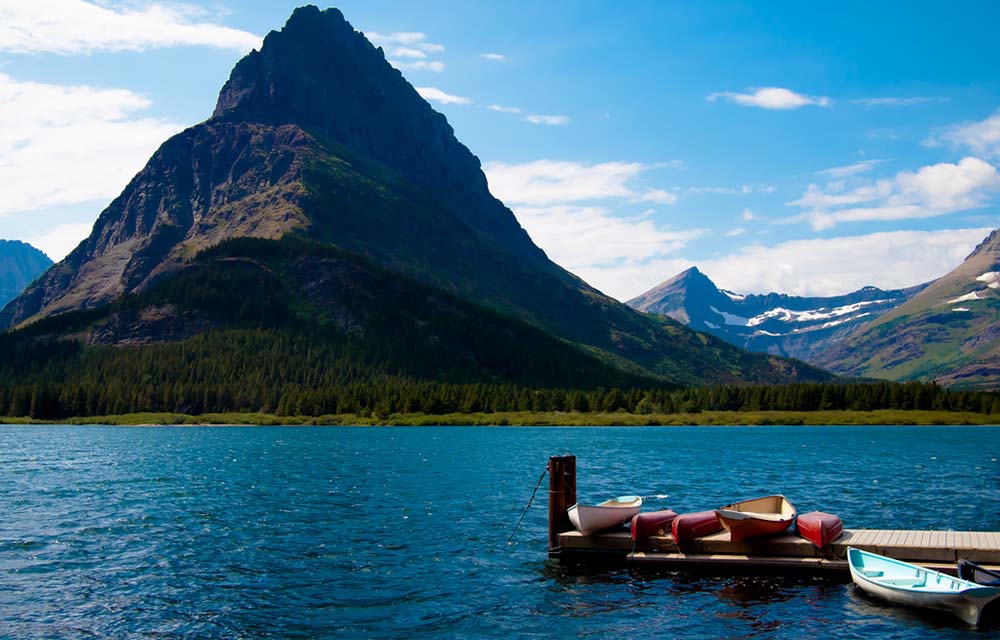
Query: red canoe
point(688, 526)
point(819, 528)
point(765, 516)
point(651, 523)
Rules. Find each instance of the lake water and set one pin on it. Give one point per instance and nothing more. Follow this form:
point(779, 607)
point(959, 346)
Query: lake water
point(300, 532)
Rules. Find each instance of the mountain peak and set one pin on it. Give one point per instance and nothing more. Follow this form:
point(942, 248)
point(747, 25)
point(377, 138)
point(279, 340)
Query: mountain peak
point(991, 243)
point(320, 74)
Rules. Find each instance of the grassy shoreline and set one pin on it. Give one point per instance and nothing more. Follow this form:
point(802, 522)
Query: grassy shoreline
point(706, 418)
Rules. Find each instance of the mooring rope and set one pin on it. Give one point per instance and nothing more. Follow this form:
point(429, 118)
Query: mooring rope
point(525, 512)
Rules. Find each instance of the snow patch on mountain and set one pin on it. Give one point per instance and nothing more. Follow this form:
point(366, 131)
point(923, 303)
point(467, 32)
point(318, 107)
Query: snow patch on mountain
point(992, 278)
point(712, 325)
point(737, 297)
point(969, 296)
point(730, 318)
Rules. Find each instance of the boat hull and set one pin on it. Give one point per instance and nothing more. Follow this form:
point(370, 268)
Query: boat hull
point(819, 528)
point(689, 526)
point(911, 585)
point(588, 520)
point(652, 523)
point(980, 575)
point(759, 517)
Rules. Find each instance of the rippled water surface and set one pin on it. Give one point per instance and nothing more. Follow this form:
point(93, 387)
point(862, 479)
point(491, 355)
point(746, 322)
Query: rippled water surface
point(399, 532)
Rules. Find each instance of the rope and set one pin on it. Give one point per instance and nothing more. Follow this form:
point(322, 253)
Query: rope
point(525, 512)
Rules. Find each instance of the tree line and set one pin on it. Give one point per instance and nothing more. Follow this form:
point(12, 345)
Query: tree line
point(390, 395)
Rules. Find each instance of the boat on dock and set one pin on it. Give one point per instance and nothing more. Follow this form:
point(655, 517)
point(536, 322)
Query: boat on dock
point(912, 585)
point(691, 526)
point(758, 517)
point(651, 523)
point(610, 513)
point(973, 572)
point(819, 528)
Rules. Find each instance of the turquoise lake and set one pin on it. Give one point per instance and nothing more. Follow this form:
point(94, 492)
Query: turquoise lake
point(295, 532)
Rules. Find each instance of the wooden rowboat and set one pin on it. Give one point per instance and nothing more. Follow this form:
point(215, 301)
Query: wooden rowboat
point(610, 513)
point(915, 586)
point(688, 526)
point(980, 575)
point(765, 516)
point(819, 528)
point(651, 523)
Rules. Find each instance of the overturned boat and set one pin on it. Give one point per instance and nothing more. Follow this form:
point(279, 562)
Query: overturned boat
point(610, 513)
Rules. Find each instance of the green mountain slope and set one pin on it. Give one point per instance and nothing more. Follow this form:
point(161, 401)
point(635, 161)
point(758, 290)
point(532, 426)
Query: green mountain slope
point(949, 332)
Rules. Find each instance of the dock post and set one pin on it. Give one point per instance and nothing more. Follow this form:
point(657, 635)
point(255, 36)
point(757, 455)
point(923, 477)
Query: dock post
point(570, 488)
point(558, 520)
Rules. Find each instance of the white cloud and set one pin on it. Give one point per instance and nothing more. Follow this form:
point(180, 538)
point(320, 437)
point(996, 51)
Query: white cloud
point(749, 215)
point(435, 94)
point(405, 52)
point(420, 65)
point(742, 190)
point(411, 39)
point(735, 231)
point(69, 144)
point(58, 241)
point(833, 266)
point(74, 27)
point(544, 182)
point(568, 208)
point(408, 50)
point(982, 137)
point(595, 244)
point(555, 120)
point(895, 102)
point(851, 169)
point(502, 109)
point(657, 196)
point(774, 98)
point(494, 56)
point(931, 191)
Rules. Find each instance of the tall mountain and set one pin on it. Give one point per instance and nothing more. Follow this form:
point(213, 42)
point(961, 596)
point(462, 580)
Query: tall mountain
point(798, 327)
point(316, 136)
point(20, 264)
point(949, 332)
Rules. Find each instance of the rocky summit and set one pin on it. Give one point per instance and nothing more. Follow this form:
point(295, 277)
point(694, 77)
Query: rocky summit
point(316, 137)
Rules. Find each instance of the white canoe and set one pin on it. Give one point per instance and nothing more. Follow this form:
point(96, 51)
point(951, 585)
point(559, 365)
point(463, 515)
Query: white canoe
point(608, 514)
point(915, 586)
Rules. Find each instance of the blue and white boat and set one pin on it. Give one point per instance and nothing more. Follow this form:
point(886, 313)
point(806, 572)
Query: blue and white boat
point(915, 586)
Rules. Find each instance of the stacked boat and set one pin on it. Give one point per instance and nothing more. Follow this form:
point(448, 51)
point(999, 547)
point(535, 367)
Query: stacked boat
point(747, 519)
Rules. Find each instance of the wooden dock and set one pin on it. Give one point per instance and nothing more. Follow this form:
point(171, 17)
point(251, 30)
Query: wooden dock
point(786, 554)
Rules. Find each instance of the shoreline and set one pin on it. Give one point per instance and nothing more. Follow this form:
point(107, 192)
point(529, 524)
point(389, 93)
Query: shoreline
point(883, 417)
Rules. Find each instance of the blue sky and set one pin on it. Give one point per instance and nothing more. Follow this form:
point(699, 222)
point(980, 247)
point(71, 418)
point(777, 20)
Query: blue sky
point(778, 146)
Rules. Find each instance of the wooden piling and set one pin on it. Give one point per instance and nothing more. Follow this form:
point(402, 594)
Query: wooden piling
point(570, 487)
point(558, 520)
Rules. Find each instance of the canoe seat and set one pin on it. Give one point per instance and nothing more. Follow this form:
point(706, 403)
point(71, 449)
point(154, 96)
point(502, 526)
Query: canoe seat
point(906, 582)
point(873, 574)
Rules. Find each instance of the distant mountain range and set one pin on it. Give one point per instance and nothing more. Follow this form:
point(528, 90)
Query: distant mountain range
point(947, 330)
point(776, 323)
point(326, 205)
point(20, 264)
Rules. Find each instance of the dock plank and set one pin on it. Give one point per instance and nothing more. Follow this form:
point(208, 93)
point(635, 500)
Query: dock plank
point(923, 547)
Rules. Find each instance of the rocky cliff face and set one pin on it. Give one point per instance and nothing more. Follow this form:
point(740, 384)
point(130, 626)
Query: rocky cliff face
point(209, 183)
point(20, 264)
point(794, 326)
